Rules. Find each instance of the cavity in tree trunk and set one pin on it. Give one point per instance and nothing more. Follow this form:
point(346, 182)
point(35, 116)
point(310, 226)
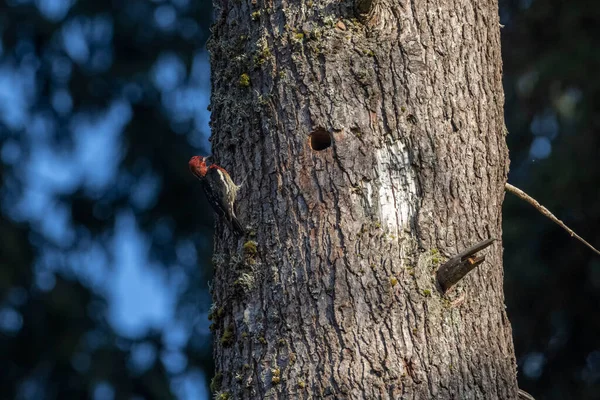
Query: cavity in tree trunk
point(371, 142)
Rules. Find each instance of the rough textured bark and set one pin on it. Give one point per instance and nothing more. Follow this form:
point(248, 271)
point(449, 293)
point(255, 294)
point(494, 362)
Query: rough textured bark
point(333, 293)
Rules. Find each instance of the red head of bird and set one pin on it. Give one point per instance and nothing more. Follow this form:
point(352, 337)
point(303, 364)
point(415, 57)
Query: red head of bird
point(198, 166)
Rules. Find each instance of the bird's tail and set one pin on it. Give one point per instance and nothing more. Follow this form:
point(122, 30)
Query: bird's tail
point(237, 226)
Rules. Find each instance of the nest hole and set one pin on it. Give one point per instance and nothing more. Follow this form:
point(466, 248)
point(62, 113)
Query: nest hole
point(320, 139)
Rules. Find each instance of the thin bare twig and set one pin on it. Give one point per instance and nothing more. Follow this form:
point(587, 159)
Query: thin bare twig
point(521, 194)
point(523, 395)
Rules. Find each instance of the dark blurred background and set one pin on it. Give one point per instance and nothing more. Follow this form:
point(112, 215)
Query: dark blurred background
point(551, 55)
point(105, 238)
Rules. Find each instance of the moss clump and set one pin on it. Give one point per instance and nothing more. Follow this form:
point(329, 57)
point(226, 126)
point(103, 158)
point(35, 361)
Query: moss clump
point(255, 15)
point(426, 292)
point(298, 38)
point(446, 303)
point(276, 378)
point(393, 281)
point(369, 53)
point(301, 384)
point(264, 52)
point(227, 337)
point(261, 56)
point(223, 396)
point(215, 315)
point(250, 248)
point(244, 80)
point(220, 312)
point(215, 382)
point(262, 340)
point(436, 258)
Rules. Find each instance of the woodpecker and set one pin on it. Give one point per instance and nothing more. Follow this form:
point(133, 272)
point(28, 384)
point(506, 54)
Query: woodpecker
point(219, 188)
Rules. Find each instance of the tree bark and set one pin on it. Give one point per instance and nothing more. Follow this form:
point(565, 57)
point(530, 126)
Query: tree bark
point(333, 294)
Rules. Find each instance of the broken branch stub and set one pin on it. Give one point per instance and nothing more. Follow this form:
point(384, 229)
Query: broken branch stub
point(460, 265)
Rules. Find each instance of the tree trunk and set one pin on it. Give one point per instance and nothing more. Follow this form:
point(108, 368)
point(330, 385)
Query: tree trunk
point(371, 143)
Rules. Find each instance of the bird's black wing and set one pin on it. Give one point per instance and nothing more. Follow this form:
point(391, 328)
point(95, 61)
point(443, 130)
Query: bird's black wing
point(214, 196)
point(220, 192)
